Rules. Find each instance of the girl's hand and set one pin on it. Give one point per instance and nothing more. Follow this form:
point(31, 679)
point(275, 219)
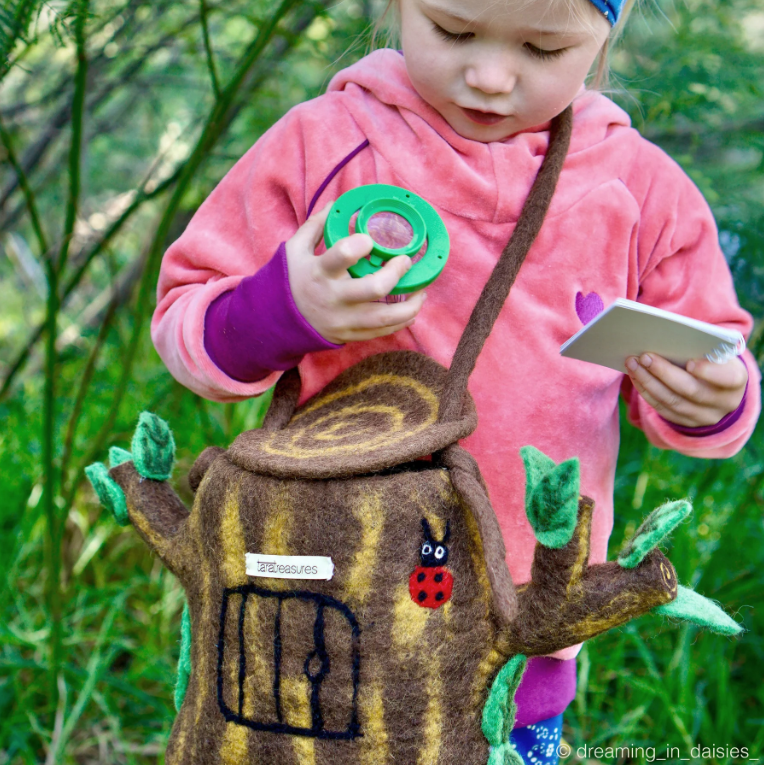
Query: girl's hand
point(701, 394)
point(339, 307)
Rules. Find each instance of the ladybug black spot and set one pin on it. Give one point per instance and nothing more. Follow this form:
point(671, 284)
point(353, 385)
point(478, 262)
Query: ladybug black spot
point(439, 577)
point(439, 596)
point(421, 577)
point(422, 596)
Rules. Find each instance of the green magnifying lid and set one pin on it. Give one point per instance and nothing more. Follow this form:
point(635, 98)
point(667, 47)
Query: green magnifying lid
point(425, 222)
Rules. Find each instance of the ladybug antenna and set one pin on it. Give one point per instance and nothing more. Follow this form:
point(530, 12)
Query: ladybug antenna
point(426, 528)
point(448, 533)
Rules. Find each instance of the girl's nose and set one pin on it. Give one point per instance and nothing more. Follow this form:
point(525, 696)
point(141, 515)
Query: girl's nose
point(491, 75)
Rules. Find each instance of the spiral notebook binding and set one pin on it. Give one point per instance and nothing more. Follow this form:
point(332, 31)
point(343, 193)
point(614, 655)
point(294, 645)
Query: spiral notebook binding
point(725, 352)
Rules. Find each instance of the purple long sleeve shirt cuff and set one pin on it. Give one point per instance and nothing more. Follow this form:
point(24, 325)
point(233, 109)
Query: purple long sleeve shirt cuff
point(711, 430)
point(257, 328)
point(547, 688)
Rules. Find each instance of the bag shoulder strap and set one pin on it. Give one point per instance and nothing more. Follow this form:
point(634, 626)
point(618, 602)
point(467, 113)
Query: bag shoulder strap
point(504, 273)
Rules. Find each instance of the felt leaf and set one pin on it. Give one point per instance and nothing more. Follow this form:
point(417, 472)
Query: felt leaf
point(184, 661)
point(695, 608)
point(537, 466)
point(153, 447)
point(499, 710)
point(551, 497)
point(117, 456)
point(657, 526)
point(108, 491)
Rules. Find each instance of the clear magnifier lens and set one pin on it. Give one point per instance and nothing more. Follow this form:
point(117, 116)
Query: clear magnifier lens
point(400, 223)
point(390, 230)
point(393, 231)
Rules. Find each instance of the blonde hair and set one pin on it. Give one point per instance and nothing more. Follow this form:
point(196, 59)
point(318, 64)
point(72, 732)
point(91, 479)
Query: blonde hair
point(385, 34)
point(601, 78)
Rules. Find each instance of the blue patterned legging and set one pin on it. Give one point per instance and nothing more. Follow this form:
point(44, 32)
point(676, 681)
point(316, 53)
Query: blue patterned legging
point(537, 744)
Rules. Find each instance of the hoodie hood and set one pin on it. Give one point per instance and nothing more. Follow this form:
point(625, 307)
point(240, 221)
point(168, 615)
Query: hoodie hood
point(432, 159)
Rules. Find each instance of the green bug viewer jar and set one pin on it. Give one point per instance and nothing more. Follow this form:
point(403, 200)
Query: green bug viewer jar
point(427, 226)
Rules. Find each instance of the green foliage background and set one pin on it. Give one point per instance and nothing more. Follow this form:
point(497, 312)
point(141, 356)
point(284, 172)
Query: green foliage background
point(117, 118)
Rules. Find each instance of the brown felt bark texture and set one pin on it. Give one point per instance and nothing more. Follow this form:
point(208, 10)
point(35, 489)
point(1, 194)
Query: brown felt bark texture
point(376, 414)
point(202, 464)
point(469, 485)
point(568, 601)
point(422, 673)
point(156, 512)
point(284, 400)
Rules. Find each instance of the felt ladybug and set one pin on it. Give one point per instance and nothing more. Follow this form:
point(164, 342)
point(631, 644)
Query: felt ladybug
point(431, 583)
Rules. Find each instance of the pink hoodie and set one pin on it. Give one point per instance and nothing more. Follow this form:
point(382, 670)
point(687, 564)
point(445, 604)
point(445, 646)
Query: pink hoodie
point(625, 222)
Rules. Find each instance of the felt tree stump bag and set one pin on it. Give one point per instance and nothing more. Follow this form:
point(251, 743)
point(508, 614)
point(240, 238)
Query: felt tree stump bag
point(410, 653)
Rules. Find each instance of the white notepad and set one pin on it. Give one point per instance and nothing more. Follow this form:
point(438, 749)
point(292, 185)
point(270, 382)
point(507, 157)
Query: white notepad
point(627, 328)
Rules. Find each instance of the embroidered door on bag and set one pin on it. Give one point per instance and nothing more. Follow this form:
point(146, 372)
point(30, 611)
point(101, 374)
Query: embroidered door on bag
point(289, 662)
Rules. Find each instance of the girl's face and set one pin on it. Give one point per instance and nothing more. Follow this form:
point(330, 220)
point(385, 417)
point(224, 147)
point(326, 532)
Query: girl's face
point(493, 68)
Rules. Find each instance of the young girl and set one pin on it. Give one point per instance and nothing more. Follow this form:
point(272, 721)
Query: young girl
point(460, 116)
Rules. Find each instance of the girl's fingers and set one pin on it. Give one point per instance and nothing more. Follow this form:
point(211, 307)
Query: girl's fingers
point(345, 253)
point(375, 286)
point(382, 316)
point(662, 398)
point(680, 384)
point(731, 375)
point(370, 320)
point(675, 407)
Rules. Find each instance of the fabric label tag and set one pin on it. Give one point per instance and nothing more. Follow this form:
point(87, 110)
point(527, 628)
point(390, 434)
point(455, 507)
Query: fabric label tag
point(289, 566)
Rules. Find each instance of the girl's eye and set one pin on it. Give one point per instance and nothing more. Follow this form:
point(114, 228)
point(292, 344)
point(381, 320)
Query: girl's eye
point(544, 55)
point(452, 36)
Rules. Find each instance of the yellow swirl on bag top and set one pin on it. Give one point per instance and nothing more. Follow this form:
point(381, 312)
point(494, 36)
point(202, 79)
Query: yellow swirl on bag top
point(320, 436)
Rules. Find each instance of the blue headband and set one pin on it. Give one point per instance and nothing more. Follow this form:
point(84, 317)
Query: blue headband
point(610, 8)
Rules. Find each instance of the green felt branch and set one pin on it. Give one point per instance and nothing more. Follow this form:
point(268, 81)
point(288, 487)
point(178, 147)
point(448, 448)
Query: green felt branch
point(108, 492)
point(505, 754)
point(153, 447)
point(695, 608)
point(499, 713)
point(656, 527)
point(117, 456)
point(551, 497)
point(184, 661)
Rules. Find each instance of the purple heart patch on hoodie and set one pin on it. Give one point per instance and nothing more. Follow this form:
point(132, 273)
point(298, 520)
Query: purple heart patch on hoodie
point(588, 306)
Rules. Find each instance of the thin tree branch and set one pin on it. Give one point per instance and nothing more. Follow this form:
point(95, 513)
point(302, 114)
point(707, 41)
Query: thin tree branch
point(208, 48)
point(77, 276)
point(87, 376)
point(29, 196)
point(35, 153)
point(279, 49)
point(63, 85)
point(55, 270)
point(106, 125)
